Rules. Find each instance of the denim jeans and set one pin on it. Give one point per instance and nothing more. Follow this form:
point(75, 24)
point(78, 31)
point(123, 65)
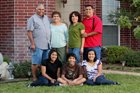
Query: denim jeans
point(39, 55)
point(97, 49)
point(77, 52)
point(100, 80)
point(44, 81)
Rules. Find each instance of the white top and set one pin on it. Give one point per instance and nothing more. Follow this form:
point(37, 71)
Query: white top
point(91, 71)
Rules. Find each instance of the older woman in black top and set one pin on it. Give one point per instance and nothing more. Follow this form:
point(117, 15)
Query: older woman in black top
point(50, 71)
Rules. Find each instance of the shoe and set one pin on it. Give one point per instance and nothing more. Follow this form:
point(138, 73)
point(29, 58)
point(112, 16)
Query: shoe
point(62, 84)
point(117, 83)
point(28, 85)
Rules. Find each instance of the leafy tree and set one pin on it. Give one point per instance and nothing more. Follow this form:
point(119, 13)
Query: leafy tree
point(127, 17)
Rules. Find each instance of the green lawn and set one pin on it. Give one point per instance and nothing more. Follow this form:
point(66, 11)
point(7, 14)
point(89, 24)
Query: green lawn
point(129, 84)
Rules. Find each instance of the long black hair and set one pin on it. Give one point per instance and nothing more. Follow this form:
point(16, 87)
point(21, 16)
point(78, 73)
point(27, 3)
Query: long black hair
point(87, 59)
point(51, 51)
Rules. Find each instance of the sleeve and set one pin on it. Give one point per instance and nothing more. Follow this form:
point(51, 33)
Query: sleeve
point(64, 70)
point(98, 25)
point(43, 63)
point(50, 20)
point(59, 64)
point(66, 33)
point(84, 63)
point(82, 27)
point(99, 62)
point(81, 72)
point(30, 24)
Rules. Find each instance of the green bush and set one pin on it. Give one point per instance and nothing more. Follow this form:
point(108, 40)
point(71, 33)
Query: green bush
point(113, 53)
point(5, 59)
point(132, 58)
point(21, 69)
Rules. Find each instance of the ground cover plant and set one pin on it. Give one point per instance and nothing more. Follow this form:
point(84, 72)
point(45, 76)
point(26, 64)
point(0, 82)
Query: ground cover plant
point(129, 84)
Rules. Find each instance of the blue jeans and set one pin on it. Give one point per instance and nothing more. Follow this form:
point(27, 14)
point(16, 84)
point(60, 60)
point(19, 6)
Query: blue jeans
point(97, 49)
point(39, 55)
point(44, 81)
point(77, 52)
point(100, 80)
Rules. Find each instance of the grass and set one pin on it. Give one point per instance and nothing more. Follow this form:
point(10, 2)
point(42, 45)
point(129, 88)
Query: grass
point(129, 84)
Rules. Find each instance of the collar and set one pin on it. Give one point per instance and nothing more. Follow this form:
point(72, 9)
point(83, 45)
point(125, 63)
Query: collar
point(91, 17)
point(39, 16)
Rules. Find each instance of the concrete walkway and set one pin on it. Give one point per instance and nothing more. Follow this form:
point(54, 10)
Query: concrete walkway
point(121, 72)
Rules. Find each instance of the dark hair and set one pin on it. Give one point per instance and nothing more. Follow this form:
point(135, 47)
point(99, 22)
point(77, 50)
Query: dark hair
point(76, 14)
point(71, 55)
point(94, 53)
point(56, 12)
point(88, 6)
point(51, 51)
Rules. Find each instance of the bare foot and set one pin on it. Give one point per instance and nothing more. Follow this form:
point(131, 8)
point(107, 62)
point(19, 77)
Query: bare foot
point(34, 80)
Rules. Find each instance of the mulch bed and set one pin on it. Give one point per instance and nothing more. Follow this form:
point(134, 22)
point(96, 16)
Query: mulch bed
point(13, 80)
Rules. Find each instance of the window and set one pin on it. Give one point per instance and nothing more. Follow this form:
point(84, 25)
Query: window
point(111, 33)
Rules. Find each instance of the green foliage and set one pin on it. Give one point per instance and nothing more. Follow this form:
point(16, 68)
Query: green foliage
point(137, 32)
point(127, 17)
point(136, 3)
point(124, 22)
point(132, 58)
point(113, 53)
point(21, 69)
point(5, 59)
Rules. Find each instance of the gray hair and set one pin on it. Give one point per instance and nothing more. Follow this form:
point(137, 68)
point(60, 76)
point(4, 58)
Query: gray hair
point(39, 5)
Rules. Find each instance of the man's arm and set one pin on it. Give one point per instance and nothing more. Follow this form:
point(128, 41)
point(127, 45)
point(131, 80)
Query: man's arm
point(30, 36)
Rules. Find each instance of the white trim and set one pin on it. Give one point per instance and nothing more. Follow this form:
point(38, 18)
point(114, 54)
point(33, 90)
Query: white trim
point(111, 24)
point(118, 35)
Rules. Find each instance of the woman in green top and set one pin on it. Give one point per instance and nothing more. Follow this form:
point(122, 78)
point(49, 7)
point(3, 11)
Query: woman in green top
point(76, 42)
point(59, 36)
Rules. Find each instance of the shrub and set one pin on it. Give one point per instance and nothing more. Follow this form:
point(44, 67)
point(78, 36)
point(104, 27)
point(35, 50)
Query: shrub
point(5, 59)
point(113, 53)
point(132, 58)
point(21, 69)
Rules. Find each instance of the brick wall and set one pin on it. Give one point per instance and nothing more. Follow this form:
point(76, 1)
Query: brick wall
point(127, 36)
point(24, 9)
point(7, 28)
point(97, 5)
point(13, 26)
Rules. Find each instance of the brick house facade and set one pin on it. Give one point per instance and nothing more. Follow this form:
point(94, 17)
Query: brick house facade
point(13, 25)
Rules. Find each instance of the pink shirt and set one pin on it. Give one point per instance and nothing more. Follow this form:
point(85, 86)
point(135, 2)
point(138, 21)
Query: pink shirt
point(93, 41)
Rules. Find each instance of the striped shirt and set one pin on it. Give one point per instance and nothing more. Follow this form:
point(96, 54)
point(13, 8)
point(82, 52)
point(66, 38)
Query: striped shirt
point(91, 71)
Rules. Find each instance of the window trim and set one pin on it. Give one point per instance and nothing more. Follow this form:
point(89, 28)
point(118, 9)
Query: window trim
point(113, 25)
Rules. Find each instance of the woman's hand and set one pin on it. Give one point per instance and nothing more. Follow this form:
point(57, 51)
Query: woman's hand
point(67, 50)
point(94, 79)
point(81, 51)
point(53, 80)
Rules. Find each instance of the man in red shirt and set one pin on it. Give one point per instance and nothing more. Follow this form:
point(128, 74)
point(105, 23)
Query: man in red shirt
point(93, 31)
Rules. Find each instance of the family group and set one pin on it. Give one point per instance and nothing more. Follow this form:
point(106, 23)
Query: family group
point(51, 40)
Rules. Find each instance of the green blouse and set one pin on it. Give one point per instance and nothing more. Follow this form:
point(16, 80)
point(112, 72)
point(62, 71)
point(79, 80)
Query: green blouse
point(75, 39)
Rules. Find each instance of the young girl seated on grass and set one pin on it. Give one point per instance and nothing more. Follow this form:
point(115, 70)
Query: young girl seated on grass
point(50, 71)
point(93, 70)
point(72, 73)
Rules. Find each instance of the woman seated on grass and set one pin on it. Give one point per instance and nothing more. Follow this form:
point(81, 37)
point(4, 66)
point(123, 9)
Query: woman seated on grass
point(72, 73)
point(93, 70)
point(50, 71)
